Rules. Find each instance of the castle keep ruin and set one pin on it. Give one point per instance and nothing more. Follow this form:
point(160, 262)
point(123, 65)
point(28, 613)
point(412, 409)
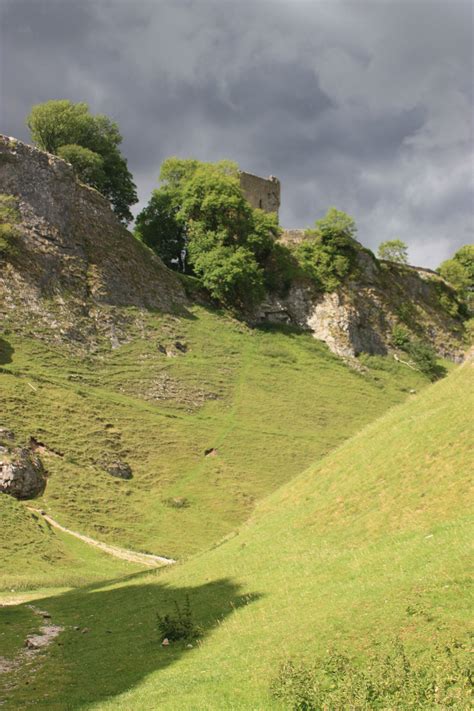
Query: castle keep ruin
point(261, 192)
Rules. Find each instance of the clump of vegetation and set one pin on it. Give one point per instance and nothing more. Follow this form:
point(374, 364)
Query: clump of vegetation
point(91, 144)
point(199, 220)
point(9, 219)
point(395, 680)
point(406, 312)
point(459, 271)
point(422, 355)
point(326, 255)
point(469, 331)
point(401, 337)
point(394, 250)
point(178, 625)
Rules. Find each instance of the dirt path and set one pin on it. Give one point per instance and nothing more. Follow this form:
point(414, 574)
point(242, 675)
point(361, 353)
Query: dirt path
point(132, 556)
point(34, 643)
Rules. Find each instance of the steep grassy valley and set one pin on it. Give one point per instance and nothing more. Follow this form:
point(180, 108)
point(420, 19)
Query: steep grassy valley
point(369, 544)
point(312, 507)
point(267, 402)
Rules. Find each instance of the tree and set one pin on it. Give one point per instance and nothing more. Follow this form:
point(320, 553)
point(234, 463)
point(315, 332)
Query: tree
point(88, 166)
point(456, 274)
point(465, 256)
point(91, 144)
point(327, 251)
point(158, 226)
point(459, 270)
point(394, 250)
point(202, 205)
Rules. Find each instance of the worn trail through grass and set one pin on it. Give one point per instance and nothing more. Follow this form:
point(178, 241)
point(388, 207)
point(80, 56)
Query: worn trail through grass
point(123, 553)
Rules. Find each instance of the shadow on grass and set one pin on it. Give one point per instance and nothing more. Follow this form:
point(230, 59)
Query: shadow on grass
point(117, 643)
point(6, 352)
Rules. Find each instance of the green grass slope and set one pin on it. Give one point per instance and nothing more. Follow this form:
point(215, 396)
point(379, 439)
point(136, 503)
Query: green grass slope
point(369, 544)
point(33, 554)
point(269, 402)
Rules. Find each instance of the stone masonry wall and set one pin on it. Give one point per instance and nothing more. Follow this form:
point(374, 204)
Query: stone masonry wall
point(261, 192)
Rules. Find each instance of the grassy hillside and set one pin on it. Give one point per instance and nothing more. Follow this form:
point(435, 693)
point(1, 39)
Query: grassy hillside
point(268, 402)
point(369, 544)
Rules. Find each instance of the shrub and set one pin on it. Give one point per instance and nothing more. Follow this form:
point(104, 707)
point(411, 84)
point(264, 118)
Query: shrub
point(406, 312)
point(395, 680)
point(326, 254)
point(394, 250)
point(469, 331)
point(9, 219)
point(449, 305)
point(280, 269)
point(180, 625)
point(400, 337)
point(421, 354)
point(425, 359)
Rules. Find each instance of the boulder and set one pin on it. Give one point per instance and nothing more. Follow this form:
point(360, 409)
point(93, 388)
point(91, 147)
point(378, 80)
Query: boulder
point(117, 468)
point(22, 474)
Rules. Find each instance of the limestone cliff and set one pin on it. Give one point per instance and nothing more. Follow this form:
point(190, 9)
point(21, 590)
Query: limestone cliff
point(360, 315)
point(68, 269)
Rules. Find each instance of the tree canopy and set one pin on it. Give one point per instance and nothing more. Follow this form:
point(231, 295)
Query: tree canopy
point(91, 144)
point(326, 252)
point(394, 250)
point(459, 271)
point(201, 205)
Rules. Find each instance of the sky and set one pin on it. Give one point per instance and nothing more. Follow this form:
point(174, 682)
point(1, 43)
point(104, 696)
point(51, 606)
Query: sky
point(366, 105)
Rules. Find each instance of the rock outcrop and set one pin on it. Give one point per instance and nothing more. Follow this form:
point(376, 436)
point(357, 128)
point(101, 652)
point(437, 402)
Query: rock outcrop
point(359, 317)
point(118, 468)
point(72, 266)
point(21, 473)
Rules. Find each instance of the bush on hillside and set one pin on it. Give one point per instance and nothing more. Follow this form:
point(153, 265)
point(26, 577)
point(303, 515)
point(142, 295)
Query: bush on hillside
point(396, 680)
point(459, 272)
point(400, 337)
point(9, 219)
point(421, 354)
point(327, 252)
point(178, 625)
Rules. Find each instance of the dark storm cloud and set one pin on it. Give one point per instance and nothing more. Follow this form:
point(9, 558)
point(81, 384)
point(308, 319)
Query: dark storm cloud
point(362, 104)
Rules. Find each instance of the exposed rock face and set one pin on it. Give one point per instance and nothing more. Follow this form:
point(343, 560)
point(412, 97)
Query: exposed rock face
point(74, 264)
point(21, 473)
point(360, 315)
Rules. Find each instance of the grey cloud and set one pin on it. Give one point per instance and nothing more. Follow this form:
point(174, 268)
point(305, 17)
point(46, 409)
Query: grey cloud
point(364, 105)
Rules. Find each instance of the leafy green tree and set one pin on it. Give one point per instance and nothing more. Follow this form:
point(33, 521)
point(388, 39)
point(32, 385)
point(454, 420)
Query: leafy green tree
point(465, 256)
point(459, 271)
point(63, 128)
point(394, 250)
point(455, 273)
point(202, 206)
point(327, 251)
point(158, 226)
point(88, 166)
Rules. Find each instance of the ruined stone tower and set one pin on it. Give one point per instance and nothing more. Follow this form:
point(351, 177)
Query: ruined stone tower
point(261, 192)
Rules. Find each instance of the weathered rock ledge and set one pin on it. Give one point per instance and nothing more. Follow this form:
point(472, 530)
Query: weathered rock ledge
point(359, 317)
point(73, 266)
